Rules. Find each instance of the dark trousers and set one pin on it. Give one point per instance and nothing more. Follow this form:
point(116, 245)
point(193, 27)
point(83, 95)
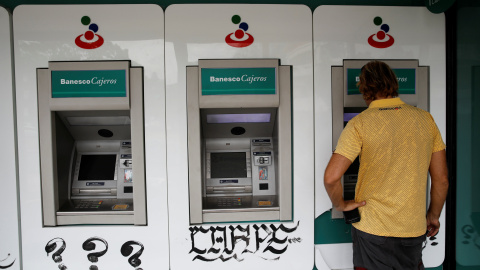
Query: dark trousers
point(374, 252)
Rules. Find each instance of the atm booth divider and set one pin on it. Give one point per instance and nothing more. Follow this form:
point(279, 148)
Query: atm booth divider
point(10, 255)
point(91, 143)
point(240, 147)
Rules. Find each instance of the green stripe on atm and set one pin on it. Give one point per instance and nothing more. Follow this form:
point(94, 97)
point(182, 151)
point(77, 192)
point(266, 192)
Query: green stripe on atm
point(238, 81)
point(89, 83)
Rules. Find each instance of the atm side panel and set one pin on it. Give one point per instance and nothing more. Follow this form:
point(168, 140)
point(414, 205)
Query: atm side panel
point(138, 146)
point(194, 147)
point(64, 147)
point(45, 123)
point(285, 162)
point(423, 75)
point(337, 115)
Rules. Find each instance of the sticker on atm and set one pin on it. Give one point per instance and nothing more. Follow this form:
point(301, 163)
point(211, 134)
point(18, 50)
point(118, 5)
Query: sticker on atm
point(120, 207)
point(264, 203)
point(263, 173)
point(128, 176)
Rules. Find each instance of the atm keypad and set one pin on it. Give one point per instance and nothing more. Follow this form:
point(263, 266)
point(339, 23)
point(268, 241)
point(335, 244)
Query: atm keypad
point(229, 202)
point(88, 204)
point(96, 205)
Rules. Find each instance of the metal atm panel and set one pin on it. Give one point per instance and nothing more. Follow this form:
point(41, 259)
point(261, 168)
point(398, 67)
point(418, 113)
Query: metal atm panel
point(91, 144)
point(346, 105)
point(240, 166)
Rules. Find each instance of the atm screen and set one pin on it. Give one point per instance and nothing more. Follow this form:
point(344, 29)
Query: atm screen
point(350, 112)
point(97, 167)
point(228, 165)
point(348, 116)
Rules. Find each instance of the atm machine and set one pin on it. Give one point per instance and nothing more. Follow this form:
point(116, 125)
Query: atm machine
point(91, 143)
point(347, 102)
point(239, 141)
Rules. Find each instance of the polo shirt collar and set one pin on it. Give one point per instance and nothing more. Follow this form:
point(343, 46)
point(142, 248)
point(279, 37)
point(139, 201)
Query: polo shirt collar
point(386, 102)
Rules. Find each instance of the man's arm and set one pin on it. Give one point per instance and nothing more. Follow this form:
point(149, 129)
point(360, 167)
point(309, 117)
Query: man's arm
point(337, 166)
point(438, 193)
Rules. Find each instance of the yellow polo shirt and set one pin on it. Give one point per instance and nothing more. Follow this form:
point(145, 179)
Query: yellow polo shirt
point(395, 142)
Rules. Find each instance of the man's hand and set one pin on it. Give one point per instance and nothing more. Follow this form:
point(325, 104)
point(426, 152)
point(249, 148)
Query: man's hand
point(433, 224)
point(438, 191)
point(350, 205)
point(337, 166)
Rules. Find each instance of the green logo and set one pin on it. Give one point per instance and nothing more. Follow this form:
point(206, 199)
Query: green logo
point(89, 83)
point(238, 81)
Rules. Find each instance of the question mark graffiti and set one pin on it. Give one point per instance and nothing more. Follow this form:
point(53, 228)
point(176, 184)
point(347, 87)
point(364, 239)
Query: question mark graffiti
point(127, 249)
point(89, 245)
point(56, 256)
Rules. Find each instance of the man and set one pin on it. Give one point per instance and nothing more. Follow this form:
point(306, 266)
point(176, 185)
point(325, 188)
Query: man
point(398, 145)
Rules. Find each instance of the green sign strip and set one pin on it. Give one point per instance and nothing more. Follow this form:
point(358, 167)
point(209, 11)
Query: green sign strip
point(405, 76)
point(238, 81)
point(89, 83)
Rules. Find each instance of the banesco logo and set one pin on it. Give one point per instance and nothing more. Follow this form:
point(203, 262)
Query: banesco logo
point(89, 40)
point(240, 38)
point(244, 78)
point(93, 81)
point(378, 40)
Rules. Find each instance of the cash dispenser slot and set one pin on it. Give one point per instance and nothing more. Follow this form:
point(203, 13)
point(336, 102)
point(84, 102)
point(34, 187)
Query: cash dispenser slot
point(347, 102)
point(239, 144)
point(227, 190)
point(91, 131)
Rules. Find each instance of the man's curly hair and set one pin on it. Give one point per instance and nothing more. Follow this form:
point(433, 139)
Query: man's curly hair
point(376, 78)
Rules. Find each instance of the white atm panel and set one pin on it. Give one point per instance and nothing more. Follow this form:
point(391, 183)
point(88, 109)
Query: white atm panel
point(356, 43)
point(133, 37)
point(200, 32)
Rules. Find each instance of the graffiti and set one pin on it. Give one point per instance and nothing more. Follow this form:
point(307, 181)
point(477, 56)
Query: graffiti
point(96, 252)
point(89, 245)
point(127, 249)
point(470, 235)
point(56, 256)
point(233, 242)
point(432, 241)
point(295, 240)
point(8, 265)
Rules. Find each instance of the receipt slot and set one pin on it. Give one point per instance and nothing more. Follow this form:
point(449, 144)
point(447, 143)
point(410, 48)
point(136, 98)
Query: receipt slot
point(347, 102)
point(239, 141)
point(91, 143)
